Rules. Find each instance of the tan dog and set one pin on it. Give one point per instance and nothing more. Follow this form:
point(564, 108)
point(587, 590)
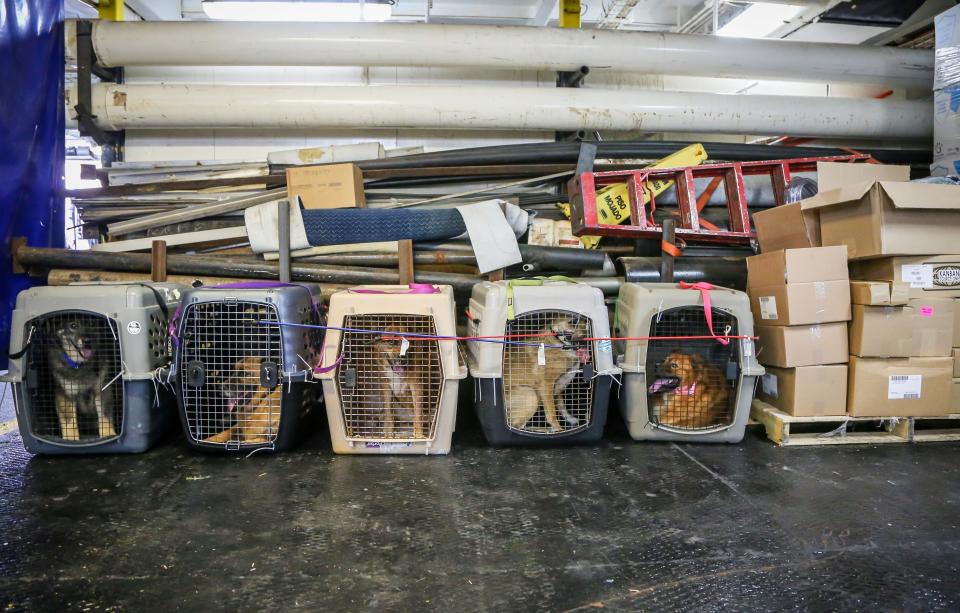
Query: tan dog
point(256, 409)
point(689, 392)
point(532, 384)
point(400, 380)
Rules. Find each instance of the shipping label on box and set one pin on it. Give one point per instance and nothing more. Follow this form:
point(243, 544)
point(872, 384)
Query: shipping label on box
point(904, 387)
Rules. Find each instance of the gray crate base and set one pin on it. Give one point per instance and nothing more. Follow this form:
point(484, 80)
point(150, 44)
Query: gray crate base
point(143, 424)
point(488, 402)
point(635, 386)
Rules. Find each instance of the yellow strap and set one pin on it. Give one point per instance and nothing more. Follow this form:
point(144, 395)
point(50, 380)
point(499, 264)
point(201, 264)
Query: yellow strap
point(511, 314)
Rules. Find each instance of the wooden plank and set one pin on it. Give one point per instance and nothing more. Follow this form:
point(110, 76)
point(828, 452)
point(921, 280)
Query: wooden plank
point(405, 263)
point(777, 425)
point(158, 268)
point(173, 240)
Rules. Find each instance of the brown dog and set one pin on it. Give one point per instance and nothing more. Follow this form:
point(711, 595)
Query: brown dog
point(690, 393)
point(529, 384)
point(255, 409)
point(400, 380)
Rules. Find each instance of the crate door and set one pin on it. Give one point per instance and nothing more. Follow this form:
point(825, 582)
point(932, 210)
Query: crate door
point(231, 369)
point(390, 390)
point(545, 390)
point(74, 388)
point(692, 382)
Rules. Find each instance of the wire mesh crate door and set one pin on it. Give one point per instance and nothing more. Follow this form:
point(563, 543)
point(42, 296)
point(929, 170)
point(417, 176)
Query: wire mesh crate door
point(231, 368)
point(553, 396)
point(692, 382)
point(74, 385)
point(385, 395)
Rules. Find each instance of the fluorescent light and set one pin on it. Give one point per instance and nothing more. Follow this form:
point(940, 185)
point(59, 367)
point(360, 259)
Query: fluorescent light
point(759, 20)
point(240, 10)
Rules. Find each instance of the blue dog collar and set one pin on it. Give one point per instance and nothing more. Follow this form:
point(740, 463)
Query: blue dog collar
point(70, 362)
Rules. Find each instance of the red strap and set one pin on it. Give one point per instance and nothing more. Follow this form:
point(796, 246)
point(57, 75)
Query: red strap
point(671, 249)
point(704, 288)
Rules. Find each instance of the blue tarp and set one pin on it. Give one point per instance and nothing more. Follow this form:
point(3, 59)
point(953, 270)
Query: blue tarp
point(31, 138)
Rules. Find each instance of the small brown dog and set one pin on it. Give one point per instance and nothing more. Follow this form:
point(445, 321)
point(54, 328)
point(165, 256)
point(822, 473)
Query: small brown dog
point(529, 384)
point(255, 409)
point(400, 380)
point(689, 393)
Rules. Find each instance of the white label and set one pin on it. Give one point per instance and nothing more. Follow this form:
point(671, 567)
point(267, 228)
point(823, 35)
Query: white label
point(605, 346)
point(404, 345)
point(387, 447)
point(541, 355)
point(768, 307)
point(904, 387)
point(134, 328)
point(747, 347)
point(769, 383)
point(917, 275)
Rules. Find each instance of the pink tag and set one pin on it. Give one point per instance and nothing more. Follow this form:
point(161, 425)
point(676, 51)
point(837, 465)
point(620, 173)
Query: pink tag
point(926, 311)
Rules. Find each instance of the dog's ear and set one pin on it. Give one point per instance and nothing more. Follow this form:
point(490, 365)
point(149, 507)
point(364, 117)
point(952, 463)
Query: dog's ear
point(697, 360)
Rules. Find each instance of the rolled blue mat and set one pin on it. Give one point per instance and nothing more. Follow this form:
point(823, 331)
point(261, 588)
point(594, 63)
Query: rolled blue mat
point(345, 226)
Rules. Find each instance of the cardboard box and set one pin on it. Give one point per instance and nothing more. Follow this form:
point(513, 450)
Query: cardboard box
point(792, 346)
point(956, 323)
point(955, 397)
point(787, 226)
point(879, 293)
point(932, 327)
point(929, 275)
point(882, 331)
point(332, 186)
point(797, 266)
point(956, 363)
point(902, 387)
point(801, 303)
point(946, 67)
point(806, 391)
point(877, 211)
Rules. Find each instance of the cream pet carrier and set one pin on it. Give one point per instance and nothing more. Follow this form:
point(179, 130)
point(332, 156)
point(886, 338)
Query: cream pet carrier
point(546, 383)
point(688, 386)
point(84, 360)
point(394, 386)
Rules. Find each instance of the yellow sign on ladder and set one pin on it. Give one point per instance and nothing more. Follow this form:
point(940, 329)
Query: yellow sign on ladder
point(613, 201)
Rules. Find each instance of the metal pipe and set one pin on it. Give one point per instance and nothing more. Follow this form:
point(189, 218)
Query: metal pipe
point(229, 267)
point(724, 272)
point(304, 106)
point(557, 258)
point(283, 238)
point(217, 43)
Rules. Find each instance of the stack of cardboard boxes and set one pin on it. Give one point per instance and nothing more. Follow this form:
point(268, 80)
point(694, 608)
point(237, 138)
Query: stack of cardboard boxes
point(900, 302)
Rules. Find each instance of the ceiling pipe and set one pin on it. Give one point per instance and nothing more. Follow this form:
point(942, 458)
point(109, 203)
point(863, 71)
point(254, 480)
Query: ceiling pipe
point(300, 106)
point(213, 43)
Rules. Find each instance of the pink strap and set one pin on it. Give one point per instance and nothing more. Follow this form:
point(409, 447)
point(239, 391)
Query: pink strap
point(689, 390)
point(413, 288)
point(319, 370)
point(704, 288)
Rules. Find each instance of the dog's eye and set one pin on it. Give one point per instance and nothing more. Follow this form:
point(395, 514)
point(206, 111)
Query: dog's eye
point(674, 365)
point(74, 325)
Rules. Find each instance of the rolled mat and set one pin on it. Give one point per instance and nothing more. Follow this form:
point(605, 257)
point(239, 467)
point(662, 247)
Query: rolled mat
point(346, 226)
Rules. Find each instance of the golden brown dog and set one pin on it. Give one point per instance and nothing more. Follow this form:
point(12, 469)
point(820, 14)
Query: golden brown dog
point(400, 379)
point(689, 392)
point(529, 384)
point(255, 409)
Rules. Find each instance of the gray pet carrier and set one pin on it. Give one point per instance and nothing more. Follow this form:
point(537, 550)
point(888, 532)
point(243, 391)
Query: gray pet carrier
point(242, 375)
point(679, 382)
point(83, 364)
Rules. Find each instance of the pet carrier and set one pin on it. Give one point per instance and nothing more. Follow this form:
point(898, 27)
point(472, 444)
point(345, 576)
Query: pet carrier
point(242, 376)
point(546, 384)
point(83, 364)
point(394, 389)
point(688, 385)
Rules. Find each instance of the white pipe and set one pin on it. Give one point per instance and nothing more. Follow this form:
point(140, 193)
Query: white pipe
point(304, 106)
point(209, 43)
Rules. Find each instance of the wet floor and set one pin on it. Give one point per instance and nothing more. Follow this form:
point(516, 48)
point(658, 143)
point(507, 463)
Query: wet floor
point(621, 526)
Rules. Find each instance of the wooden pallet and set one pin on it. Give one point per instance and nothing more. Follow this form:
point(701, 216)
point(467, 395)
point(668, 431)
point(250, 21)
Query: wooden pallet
point(826, 430)
point(931, 429)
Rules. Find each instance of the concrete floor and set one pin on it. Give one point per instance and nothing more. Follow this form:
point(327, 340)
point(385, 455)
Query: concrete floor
point(622, 526)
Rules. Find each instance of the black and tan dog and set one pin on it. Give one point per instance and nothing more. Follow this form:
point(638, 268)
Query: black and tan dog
point(80, 369)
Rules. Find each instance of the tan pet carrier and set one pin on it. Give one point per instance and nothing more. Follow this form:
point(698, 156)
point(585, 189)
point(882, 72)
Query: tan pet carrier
point(394, 387)
point(545, 384)
point(687, 386)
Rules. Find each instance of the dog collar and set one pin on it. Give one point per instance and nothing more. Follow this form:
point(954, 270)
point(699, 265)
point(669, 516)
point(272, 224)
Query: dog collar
point(398, 369)
point(70, 363)
point(689, 390)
